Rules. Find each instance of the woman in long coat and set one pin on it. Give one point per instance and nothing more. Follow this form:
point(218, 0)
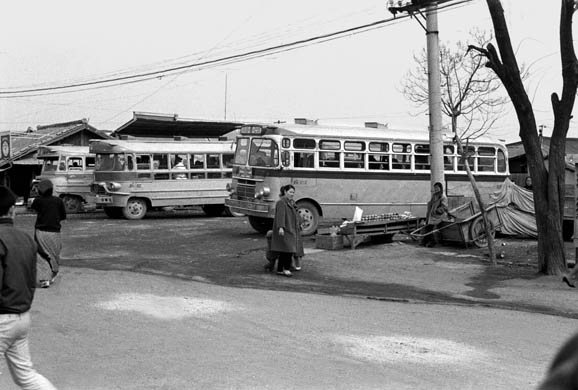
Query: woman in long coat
point(286, 227)
point(437, 212)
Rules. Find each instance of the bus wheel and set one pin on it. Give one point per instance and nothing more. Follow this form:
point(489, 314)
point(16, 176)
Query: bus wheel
point(113, 212)
point(230, 213)
point(72, 204)
point(309, 217)
point(260, 224)
point(135, 209)
point(478, 232)
point(214, 210)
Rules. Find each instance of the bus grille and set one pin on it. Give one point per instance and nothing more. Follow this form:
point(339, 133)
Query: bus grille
point(245, 190)
point(97, 189)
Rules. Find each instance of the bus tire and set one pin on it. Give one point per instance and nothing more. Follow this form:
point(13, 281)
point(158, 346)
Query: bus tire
point(309, 217)
point(478, 232)
point(230, 213)
point(113, 212)
point(260, 224)
point(72, 204)
point(135, 208)
point(213, 210)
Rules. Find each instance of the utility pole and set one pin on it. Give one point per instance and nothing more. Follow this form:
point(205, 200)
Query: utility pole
point(414, 8)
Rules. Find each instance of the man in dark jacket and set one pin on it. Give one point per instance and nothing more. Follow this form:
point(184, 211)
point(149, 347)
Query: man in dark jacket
point(17, 285)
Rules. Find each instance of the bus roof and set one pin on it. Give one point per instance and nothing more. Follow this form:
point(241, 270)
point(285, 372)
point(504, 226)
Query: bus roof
point(56, 150)
point(389, 134)
point(160, 146)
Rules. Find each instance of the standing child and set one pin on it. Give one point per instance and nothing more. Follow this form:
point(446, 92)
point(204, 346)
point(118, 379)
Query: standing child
point(51, 212)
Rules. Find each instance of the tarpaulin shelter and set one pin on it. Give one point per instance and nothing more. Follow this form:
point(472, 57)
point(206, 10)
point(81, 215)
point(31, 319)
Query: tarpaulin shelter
point(515, 206)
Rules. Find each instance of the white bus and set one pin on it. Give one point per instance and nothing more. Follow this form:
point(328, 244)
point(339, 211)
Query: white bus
point(334, 169)
point(134, 176)
point(70, 169)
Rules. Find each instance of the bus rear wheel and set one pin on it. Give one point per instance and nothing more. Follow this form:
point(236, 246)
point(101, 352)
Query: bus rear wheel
point(113, 212)
point(309, 217)
point(72, 204)
point(135, 209)
point(260, 224)
point(213, 210)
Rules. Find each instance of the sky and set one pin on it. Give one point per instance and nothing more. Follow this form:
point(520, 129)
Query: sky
point(350, 80)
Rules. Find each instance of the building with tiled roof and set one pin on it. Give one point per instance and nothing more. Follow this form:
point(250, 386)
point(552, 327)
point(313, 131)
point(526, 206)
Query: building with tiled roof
point(18, 171)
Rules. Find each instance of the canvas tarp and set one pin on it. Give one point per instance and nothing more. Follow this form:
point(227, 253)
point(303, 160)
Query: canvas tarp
point(515, 207)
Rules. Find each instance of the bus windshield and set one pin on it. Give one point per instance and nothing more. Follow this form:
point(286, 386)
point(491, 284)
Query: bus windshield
point(50, 164)
point(264, 153)
point(113, 162)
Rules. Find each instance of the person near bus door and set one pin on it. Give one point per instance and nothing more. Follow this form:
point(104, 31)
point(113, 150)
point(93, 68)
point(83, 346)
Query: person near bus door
point(286, 230)
point(50, 213)
point(437, 212)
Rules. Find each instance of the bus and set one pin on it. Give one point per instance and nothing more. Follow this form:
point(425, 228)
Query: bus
point(70, 169)
point(134, 176)
point(336, 169)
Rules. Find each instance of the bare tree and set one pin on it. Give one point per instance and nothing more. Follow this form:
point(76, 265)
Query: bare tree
point(469, 90)
point(548, 181)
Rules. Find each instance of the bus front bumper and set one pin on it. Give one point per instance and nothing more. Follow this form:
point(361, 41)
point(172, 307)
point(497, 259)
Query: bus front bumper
point(247, 207)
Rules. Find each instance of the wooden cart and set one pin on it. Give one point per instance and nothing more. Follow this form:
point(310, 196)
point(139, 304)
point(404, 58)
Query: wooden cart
point(467, 227)
point(358, 232)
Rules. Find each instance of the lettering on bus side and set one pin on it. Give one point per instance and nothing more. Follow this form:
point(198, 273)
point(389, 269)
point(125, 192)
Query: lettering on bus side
point(299, 182)
point(135, 185)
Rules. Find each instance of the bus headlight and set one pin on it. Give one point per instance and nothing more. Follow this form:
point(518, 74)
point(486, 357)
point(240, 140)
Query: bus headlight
point(112, 186)
point(263, 193)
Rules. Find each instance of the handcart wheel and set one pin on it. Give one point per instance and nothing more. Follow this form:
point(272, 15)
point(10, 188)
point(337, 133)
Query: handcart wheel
point(478, 232)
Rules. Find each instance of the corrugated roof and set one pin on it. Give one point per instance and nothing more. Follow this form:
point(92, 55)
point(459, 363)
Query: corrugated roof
point(516, 149)
point(168, 126)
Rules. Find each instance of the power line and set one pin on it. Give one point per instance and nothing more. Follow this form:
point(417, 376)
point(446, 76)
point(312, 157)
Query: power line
point(145, 76)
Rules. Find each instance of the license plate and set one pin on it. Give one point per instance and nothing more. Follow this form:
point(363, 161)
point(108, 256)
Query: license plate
point(103, 199)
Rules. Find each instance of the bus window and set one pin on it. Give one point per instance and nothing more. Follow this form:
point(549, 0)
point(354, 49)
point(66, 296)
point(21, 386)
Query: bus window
point(303, 160)
point(422, 156)
point(353, 160)
point(120, 163)
point(179, 166)
point(264, 153)
point(303, 143)
point(379, 162)
point(161, 163)
point(49, 165)
point(402, 157)
point(74, 163)
point(198, 161)
point(470, 151)
point(228, 160)
point(329, 145)
point(242, 152)
point(502, 161)
point(329, 159)
point(449, 158)
point(143, 163)
point(356, 146)
point(90, 162)
point(213, 161)
point(486, 159)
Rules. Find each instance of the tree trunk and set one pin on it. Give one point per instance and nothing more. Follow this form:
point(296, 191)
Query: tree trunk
point(548, 185)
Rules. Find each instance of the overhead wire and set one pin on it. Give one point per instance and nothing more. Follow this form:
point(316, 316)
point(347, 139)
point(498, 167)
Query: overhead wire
point(234, 58)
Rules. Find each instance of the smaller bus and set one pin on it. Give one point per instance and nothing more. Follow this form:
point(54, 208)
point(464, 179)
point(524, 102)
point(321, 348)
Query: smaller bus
point(70, 169)
point(134, 176)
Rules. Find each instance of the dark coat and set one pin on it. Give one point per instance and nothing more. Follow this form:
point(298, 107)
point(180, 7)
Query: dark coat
point(286, 217)
point(17, 270)
point(437, 209)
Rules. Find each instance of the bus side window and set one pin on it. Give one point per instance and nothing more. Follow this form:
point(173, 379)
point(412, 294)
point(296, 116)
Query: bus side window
point(353, 160)
point(198, 161)
point(329, 159)
point(303, 160)
point(379, 162)
point(213, 161)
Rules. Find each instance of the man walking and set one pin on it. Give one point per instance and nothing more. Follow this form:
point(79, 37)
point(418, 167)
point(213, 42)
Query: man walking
point(17, 286)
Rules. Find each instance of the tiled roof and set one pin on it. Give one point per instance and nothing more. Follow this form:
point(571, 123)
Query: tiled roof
point(516, 149)
point(26, 143)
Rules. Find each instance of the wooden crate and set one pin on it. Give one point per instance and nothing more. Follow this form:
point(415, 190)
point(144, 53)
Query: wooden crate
point(326, 241)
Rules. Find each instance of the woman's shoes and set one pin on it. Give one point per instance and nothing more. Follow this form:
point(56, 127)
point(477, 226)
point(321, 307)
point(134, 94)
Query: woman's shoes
point(566, 280)
point(285, 272)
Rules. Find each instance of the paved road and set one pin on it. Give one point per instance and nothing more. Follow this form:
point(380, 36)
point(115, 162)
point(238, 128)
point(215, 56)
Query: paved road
point(123, 330)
